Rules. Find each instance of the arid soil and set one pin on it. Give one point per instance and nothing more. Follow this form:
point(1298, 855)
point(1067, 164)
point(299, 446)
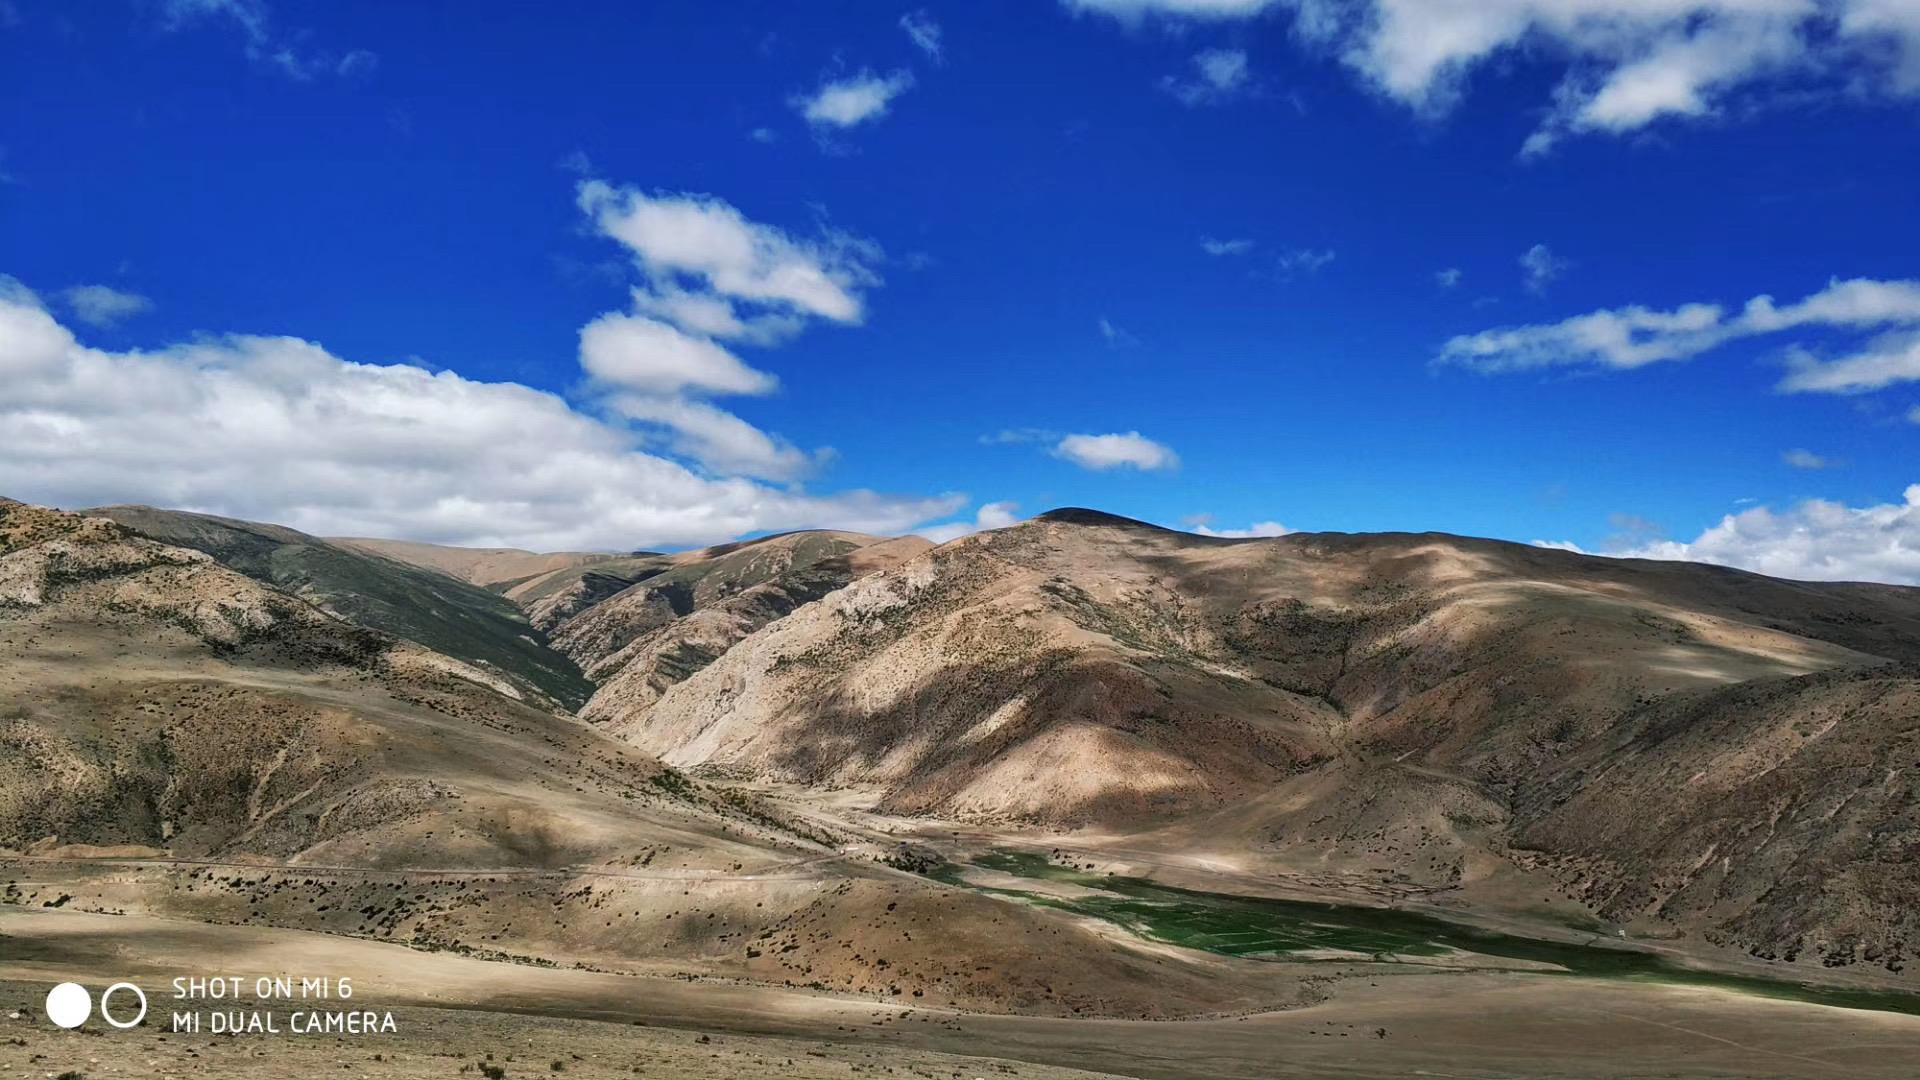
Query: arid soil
point(1507, 1026)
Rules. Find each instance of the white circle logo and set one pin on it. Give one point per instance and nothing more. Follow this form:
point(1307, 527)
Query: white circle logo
point(68, 1005)
point(110, 991)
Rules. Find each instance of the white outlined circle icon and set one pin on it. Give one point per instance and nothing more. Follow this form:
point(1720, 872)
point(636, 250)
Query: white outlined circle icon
point(110, 991)
point(69, 1005)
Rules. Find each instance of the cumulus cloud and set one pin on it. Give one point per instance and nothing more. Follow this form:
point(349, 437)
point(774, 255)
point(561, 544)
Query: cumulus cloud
point(713, 279)
point(717, 439)
point(1816, 540)
point(1632, 337)
point(1102, 452)
point(1539, 266)
point(855, 100)
point(1219, 75)
point(279, 429)
point(997, 515)
point(701, 242)
point(649, 355)
point(1213, 246)
point(923, 32)
point(1627, 63)
point(102, 305)
point(1447, 278)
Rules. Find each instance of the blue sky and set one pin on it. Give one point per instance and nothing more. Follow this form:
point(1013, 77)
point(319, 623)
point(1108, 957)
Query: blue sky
point(663, 274)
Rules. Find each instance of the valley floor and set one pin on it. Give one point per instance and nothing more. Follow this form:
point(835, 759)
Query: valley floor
point(1447, 1014)
point(452, 1011)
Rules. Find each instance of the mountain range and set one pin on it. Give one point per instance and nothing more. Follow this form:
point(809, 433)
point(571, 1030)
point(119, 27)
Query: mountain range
point(722, 761)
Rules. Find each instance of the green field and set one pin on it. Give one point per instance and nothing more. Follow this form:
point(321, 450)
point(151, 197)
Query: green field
point(1266, 928)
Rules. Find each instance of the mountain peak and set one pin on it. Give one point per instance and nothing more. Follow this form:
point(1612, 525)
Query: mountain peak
point(1080, 515)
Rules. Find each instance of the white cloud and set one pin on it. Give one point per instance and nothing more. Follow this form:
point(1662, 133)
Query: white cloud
point(677, 237)
point(1131, 11)
point(716, 316)
point(278, 429)
point(1102, 452)
point(1807, 459)
point(1225, 247)
point(1860, 302)
point(923, 32)
point(1888, 359)
point(1814, 541)
point(719, 440)
point(1540, 266)
point(997, 515)
point(1262, 528)
point(1447, 278)
point(1220, 75)
point(1635, 336)
point(1895, 25)
point(1296, 261)
point(763, 135)
point(655, 357)
point(857, 99)
point(1627, 337)
point(1627, 63)
point(101, 305)
point(1914, 415)
point(712, 276)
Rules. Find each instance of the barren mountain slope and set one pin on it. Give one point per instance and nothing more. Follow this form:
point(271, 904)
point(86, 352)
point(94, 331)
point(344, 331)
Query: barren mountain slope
point(1784, 808)
point(490, 567)
point(1009, 660)
point(645, 667)
point(437, 610)
point(1404, 705)
point(691, 580)
point(158, 700)
point(547, 587)
point(177, 739)
point(637, 639)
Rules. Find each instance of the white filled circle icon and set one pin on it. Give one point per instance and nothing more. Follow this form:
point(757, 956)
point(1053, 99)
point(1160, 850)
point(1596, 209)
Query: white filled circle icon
point(69, 1005)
